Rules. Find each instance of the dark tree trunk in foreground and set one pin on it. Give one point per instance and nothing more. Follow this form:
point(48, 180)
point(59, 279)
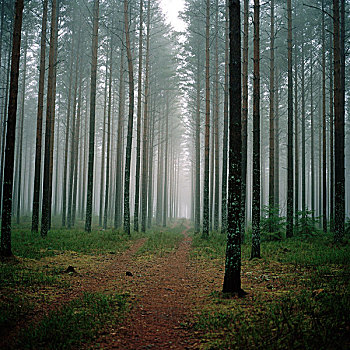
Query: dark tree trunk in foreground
point(290, 184)
point(331, 138)
point(225, 132)
point(130, 123)
point(256, 138)
point(207, 128)
point(10, 134)
point(46, 203)
point(232, 279)
point(272, 114)
point(339, 174)
point(39, 125)
point(245, 114)
point(92, 117)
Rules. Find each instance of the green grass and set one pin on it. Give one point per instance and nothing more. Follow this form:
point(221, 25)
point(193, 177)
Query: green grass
point(300, 321)
point(160, 242)
point(78, 321)
point(29, 245)
point(304, 302)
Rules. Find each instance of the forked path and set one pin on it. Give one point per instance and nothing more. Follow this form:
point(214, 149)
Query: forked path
point(164, 290)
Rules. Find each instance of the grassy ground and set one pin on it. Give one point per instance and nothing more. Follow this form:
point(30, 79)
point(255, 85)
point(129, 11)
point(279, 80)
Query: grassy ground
point(36, 277)
point(298, 296)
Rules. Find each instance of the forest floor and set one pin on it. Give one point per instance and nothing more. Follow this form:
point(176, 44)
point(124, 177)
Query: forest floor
point(161, 290)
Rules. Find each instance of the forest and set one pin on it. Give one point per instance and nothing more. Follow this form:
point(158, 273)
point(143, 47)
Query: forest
point(175, 174)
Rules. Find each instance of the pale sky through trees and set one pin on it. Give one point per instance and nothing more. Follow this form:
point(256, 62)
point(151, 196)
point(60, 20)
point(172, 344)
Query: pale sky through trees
point(171, 10)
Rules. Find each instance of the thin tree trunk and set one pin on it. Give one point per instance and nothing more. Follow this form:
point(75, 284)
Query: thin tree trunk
point(296, 136)
point(245, 114)
point(272, 114)
point(165, 193)
point(10, 134)
point(197, 215)
point(119, 165)
point(138, 132)
point(277, 144)
point(145, 153)
point(331, 138)
point(103, 150)
point(19, 147)
point(256, 137)
point(207, 127)
point(216, 123)
point(290, 184)
point(46, 203)
point(105, 216)
point(39, 126)
point(324, 142)
point(65, 166)
point(312, 140)
point(130, 123)
point(339, 74)
point(92, 117)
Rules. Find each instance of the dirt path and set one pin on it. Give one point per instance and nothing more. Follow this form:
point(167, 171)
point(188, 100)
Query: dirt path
point(162, 288)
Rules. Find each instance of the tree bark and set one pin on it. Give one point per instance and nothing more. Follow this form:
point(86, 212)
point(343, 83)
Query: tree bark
point(39, 123)
point(207, 127)
point(138, 131)
point(130, 123)
point(272, 114)
point(290, 184)
point(46, 202)
point(10, 134)
point(92, 117)
point(232, 278)
point(255, 253)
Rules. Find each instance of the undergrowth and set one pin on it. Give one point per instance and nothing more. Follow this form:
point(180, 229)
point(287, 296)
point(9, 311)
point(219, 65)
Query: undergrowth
point(79, 321)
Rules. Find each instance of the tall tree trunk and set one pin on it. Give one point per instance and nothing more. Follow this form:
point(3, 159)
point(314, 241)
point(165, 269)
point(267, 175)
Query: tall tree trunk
point(130, 123)
point(339, 73)
point(165, 193)
point(303, 140)
point(138, 131)
point(312, 170)
point(256, 137)
point(197, 204)
point(73, 137)
point(103, 150)
point(277, 146)
point(76, 156)
point(331, 137)
point(296, 136)
point(39, 123)
point(65, 166)
point(92, 117)
point(225, 131)
point(272, 114)
point(245, 114)
point(232, 279)
point(10, 134)
point(324, 142)
point(145, 152)
point(119, 166)
point(290, 185)
point(105, 216)
point(207, 127)
point(46, 203)
point(216, 123)
point(20, 143)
